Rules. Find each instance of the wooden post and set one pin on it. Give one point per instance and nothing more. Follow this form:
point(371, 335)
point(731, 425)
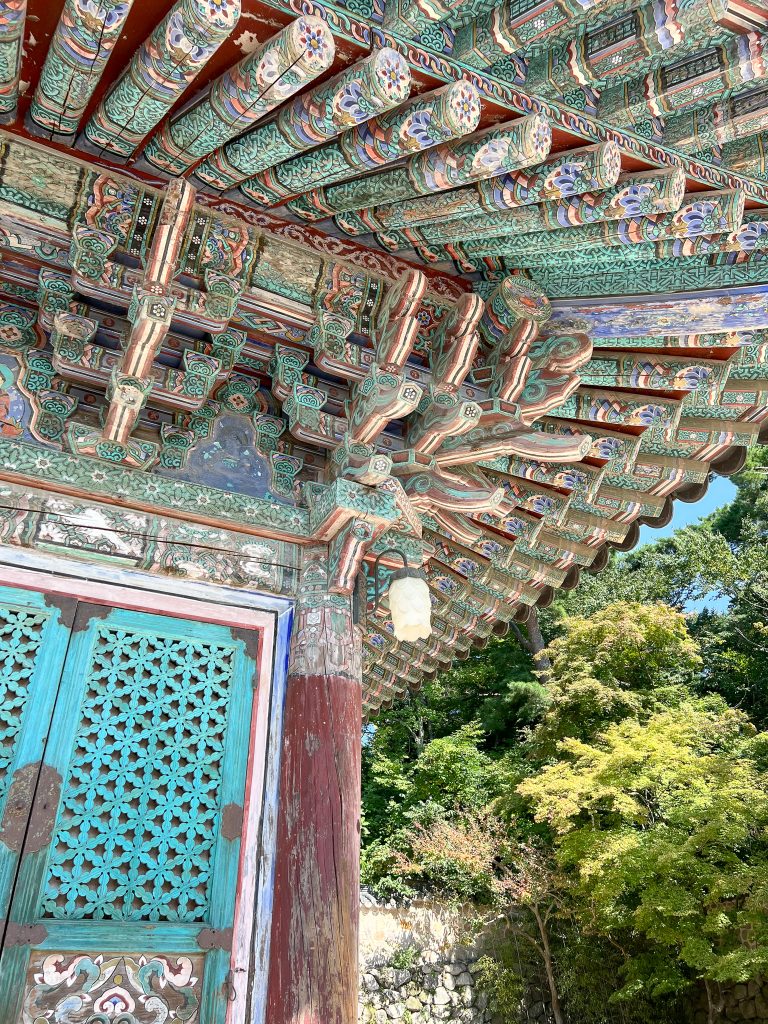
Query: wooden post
point(313, 957)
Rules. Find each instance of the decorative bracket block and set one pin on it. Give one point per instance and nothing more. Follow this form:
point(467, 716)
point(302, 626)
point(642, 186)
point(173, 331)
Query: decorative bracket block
point(175, 447)
point(333, 353)
point(227, 347)
point(454, 350)
point(441, 415)
point(360, 462)
point(454, 493)
point(54, 295)
point(89, 252)
point(133, 454)
point(332, 505)
point(269, 430)
point(397, 323)
point(285, 472)
point(287, 369)
point(345, 555)
point(223, 294)
point(381, 396)
point(70, 336)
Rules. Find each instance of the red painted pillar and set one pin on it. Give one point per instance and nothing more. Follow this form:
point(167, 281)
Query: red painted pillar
point(313, 954)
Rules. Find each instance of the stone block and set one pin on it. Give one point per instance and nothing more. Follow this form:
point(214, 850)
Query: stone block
point(748, 1009)
point(441, 997)
point(413, 1003)
point(481, 1000)
point(395, 1011)
point(465, 978)
point(381, 1017)
point(447, 980)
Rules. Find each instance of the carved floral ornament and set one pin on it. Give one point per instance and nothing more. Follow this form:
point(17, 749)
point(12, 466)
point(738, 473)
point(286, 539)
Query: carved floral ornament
point(200, 355)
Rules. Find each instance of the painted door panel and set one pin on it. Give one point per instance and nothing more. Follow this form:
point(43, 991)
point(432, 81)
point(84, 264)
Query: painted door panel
point(124, 898)
point(33, 645)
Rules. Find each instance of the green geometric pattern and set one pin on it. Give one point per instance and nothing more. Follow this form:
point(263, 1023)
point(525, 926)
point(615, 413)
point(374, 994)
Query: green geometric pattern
point(21, 635)
point(139, 812)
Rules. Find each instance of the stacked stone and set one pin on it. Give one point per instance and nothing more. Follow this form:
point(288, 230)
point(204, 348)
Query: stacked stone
point(431, 990)
point(747, 1001)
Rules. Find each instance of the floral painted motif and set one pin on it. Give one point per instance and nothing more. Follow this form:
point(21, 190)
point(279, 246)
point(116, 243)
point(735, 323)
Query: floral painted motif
point(277, 69)
point(110, 987)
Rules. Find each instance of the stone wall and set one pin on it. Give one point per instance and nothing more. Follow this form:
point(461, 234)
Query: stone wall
point(421, 964)
point(744, 1002)
point(430, 990)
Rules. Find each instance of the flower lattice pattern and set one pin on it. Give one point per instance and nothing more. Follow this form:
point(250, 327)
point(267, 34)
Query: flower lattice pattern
point(139, 811)
point(20, 638)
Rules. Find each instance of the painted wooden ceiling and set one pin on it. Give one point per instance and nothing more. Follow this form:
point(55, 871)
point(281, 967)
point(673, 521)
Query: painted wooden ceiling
point(515, 251)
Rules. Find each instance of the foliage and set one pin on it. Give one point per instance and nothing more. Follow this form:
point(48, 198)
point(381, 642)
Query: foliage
point(617, 663)
point(405, 957)
point(452, 856)
point(663, 828)
point(498, 975)
point(598, 778)
point(587, 968)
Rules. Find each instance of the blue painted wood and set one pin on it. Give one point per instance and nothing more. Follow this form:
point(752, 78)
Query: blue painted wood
point(33, 644)
point(150, 738)
point(265, 883)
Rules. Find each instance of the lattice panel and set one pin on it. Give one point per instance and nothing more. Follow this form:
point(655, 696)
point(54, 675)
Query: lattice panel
point(21, 635)
point(138, 818)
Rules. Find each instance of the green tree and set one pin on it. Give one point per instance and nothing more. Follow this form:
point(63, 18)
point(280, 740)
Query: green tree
point(620, 662)
point(662, 829)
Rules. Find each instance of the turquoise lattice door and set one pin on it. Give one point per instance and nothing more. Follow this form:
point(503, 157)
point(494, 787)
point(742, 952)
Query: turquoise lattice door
point(120, 892)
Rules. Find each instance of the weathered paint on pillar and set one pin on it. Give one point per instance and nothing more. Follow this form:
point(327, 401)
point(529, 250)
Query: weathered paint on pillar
point(313, 953)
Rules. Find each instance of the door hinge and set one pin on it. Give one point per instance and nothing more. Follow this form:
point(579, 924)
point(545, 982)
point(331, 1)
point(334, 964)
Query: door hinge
point(251, 638)
point(215, 938)
point(232, 821)
point(18, 803)
point(67, 608)
point(87, 612)
point(229, 987)
point(24, 934)
point(44, 809)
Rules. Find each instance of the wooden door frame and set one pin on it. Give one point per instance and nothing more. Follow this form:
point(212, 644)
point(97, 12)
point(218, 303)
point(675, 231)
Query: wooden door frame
point(271, 618)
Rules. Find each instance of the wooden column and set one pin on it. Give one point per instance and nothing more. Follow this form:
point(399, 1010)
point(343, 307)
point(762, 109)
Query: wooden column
point(313, 957)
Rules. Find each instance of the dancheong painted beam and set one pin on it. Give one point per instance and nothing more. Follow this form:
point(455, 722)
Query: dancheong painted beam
point(289, 293)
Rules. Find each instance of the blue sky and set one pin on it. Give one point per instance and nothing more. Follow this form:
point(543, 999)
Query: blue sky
point(721, 490)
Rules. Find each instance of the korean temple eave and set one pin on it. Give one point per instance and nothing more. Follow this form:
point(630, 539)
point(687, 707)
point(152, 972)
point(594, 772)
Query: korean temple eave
point(515, 100)
point(519, 339)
